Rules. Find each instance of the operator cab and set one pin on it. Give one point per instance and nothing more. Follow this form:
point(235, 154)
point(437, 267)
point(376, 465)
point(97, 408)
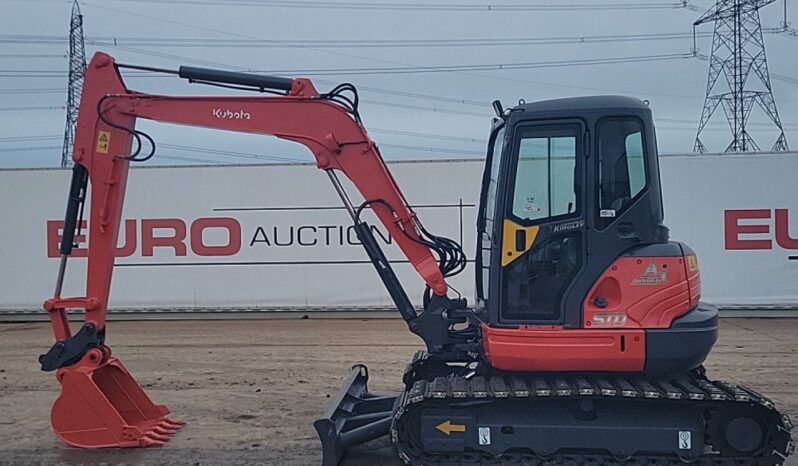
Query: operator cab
point(562, 176)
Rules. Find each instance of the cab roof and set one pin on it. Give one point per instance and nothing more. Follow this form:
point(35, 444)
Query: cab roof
point(575, 106)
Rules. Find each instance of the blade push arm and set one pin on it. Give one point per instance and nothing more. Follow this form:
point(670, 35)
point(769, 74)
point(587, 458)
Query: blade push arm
point(106, 132)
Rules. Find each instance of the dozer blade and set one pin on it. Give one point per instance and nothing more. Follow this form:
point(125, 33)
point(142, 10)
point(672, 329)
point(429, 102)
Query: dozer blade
point(354, 416)
point(101, 405)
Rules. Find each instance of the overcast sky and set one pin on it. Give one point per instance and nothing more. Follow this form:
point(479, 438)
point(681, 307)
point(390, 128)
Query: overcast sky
point(440, 129)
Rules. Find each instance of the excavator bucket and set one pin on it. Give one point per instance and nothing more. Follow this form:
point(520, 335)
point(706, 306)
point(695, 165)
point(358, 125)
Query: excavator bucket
point(354, 416)
point(101, 405)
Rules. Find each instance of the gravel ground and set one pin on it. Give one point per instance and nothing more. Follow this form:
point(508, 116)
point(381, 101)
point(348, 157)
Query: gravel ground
point(250, 390)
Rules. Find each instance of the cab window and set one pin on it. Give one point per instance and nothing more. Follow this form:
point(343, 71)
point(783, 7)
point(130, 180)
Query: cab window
point(546, 173)
point(622, 170)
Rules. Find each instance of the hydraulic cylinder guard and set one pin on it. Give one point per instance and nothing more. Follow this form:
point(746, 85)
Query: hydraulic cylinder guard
point(101, 405)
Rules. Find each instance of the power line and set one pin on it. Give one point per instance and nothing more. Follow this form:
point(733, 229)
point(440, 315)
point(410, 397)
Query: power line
point(492, 77)
point(322, 43)
point(430, 149)
point(31, 55)
point(32, 73)
point(417, 95)
point(783, 78)
point(428, 136)
point(426, 6)
point(427, 97)
point(483, 67)
point(233, 34)
point(227, 152)
point(28, 149)
point(28, 138)
point(427, 109)
point(719, 123)
point(192, 159)
point(387, 43)
point(360, 88)
point(32, 91)
point(448, 100)
point(419, 69)
point(778, 77)
point(24, 109)
point(178, 42)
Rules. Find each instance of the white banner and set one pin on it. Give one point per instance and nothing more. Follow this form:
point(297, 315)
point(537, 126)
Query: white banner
point(253, 237)
point(740, 214)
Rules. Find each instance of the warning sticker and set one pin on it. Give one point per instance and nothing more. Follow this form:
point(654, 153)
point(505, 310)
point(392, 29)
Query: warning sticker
point(685, 440)
point(692, 263)
point(103, 141)
point(484, 435)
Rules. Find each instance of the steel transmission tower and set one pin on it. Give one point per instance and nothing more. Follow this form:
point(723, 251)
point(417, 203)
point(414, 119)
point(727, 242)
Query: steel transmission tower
point(738, 55)
point(77, 67)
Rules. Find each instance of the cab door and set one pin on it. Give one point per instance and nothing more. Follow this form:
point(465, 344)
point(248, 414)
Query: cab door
point(541, 235)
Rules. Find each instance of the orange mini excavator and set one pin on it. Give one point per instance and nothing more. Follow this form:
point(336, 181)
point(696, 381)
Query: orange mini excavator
point(586, 341)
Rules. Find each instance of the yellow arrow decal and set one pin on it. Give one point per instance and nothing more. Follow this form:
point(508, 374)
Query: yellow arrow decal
point(447, 427)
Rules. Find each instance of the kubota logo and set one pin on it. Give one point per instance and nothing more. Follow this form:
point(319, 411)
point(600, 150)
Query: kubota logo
point(227, 114)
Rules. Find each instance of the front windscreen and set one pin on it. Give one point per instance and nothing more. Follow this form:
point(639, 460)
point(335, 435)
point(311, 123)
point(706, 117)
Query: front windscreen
point(546, 172)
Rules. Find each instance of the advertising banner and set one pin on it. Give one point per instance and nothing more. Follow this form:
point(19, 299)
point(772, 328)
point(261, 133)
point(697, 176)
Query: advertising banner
point(277, 236)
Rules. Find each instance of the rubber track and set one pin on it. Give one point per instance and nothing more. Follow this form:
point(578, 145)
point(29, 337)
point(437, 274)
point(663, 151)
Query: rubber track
point(692, 388)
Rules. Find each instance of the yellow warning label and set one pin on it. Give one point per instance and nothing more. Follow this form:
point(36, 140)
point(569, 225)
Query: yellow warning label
point(692, 263)
point(103, 140)
point(447, 427)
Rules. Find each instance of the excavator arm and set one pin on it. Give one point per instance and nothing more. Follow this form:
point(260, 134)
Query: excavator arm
point(107, 142)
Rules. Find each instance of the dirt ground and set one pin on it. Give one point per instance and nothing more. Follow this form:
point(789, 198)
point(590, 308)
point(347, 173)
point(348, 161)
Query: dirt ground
point(250, 390)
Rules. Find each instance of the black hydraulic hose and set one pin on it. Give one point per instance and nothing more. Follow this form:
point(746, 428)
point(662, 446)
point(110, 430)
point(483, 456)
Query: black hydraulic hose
point(133, 157)
point(451, 258)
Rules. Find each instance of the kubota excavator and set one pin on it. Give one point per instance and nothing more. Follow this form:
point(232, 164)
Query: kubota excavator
point(586, 341)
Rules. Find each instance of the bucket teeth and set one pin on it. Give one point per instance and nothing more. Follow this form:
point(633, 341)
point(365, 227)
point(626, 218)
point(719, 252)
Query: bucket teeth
point(156, 436)
point(164, 430)
point(146, 441)
point(161, 432)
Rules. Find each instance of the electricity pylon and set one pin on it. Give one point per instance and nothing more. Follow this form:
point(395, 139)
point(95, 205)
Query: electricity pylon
point(738, 54)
